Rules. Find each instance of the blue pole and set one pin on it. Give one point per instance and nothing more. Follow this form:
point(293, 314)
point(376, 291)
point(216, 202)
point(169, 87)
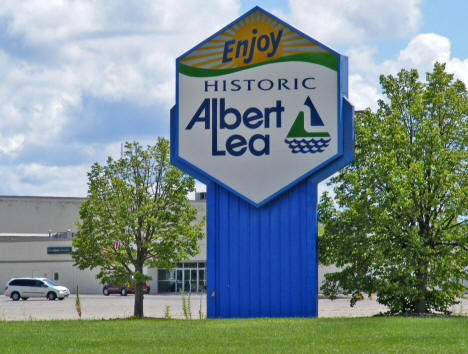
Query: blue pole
point(262, 262)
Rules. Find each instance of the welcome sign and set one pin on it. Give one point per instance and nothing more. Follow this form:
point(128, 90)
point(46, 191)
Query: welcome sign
point(258, 108)
point(261, 118)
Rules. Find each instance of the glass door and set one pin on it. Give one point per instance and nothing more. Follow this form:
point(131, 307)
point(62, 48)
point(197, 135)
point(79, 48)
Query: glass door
point(186, 277)
point(201, 280)
point(186, 280)
point(193, 280)
point(180, 280)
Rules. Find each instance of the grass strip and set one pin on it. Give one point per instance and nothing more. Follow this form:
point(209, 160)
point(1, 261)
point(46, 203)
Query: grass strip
point(374, 334)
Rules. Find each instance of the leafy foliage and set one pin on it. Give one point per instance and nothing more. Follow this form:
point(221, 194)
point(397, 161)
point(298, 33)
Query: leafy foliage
point(136, 215)
point(398, 228)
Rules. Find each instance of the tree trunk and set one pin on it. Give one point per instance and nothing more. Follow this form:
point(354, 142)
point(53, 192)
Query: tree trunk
point(138, 306)
point(421, 306)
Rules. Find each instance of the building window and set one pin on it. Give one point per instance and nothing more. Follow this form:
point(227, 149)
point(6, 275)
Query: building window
point(187, 277)
point(56, 276)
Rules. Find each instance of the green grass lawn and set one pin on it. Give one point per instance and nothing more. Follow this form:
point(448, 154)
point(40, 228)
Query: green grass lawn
point(372, 334)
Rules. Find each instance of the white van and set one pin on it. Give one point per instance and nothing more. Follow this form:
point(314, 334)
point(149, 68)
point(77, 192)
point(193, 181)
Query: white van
point(25, 288)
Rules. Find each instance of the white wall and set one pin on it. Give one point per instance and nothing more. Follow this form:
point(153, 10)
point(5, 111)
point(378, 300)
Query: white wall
point(30, 259)
point(38, 214)
point(27, 255)
point(200, 205)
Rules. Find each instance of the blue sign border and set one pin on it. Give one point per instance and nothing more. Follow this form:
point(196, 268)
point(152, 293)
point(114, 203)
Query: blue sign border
point(320, 172)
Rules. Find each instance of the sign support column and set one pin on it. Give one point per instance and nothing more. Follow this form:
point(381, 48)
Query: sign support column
point(262, 261)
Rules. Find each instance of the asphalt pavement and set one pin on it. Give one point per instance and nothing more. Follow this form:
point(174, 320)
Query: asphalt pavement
point(116, 306)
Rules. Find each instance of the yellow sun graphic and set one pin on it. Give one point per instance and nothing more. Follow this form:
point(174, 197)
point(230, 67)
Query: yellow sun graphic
point(253, 39)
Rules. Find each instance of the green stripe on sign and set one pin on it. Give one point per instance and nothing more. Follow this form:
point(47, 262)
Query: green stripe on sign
point(298, 131)
point(325, 59)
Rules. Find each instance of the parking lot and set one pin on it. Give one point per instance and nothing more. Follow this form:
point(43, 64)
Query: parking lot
point(95, 307)
point(116, 306)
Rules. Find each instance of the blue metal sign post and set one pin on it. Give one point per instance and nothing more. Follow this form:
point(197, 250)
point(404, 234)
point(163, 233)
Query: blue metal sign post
point(261, 118)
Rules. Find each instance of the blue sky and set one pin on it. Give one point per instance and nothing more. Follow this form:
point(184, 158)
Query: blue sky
point(78, 78)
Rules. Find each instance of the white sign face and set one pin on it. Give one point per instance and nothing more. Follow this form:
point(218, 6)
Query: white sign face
point(257, 107)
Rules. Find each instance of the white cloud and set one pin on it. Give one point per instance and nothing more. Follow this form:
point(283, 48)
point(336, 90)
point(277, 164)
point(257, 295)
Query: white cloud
point(426, 49)
point(42, 22)
point(362, 93)
point(34, 101)
point(459, 68)
point(42, 180)
point(117, 50)
point(11, 143)
point(352, 22)
point(421, 53)
point(423, 50)
point(62, 51)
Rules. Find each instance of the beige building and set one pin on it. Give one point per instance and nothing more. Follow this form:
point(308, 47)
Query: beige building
point(36, 239)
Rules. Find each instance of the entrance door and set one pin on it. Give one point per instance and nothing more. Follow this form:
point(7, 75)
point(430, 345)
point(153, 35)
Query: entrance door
point(179, 281)
point(193, 280)
point(187, 282)
point(201, 280)
point(187, 277)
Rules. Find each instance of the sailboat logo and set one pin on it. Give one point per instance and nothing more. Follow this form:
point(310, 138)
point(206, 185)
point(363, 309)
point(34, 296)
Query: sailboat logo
point(301, 141)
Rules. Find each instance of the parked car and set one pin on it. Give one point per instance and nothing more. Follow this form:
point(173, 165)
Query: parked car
point(24, 288)
point(123, 290)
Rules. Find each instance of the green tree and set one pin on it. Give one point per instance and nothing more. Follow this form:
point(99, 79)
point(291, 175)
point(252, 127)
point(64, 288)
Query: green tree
point(136, 215)
point(397, 224)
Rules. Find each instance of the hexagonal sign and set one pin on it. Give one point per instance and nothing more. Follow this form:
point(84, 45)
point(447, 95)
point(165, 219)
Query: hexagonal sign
point(258, 107)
